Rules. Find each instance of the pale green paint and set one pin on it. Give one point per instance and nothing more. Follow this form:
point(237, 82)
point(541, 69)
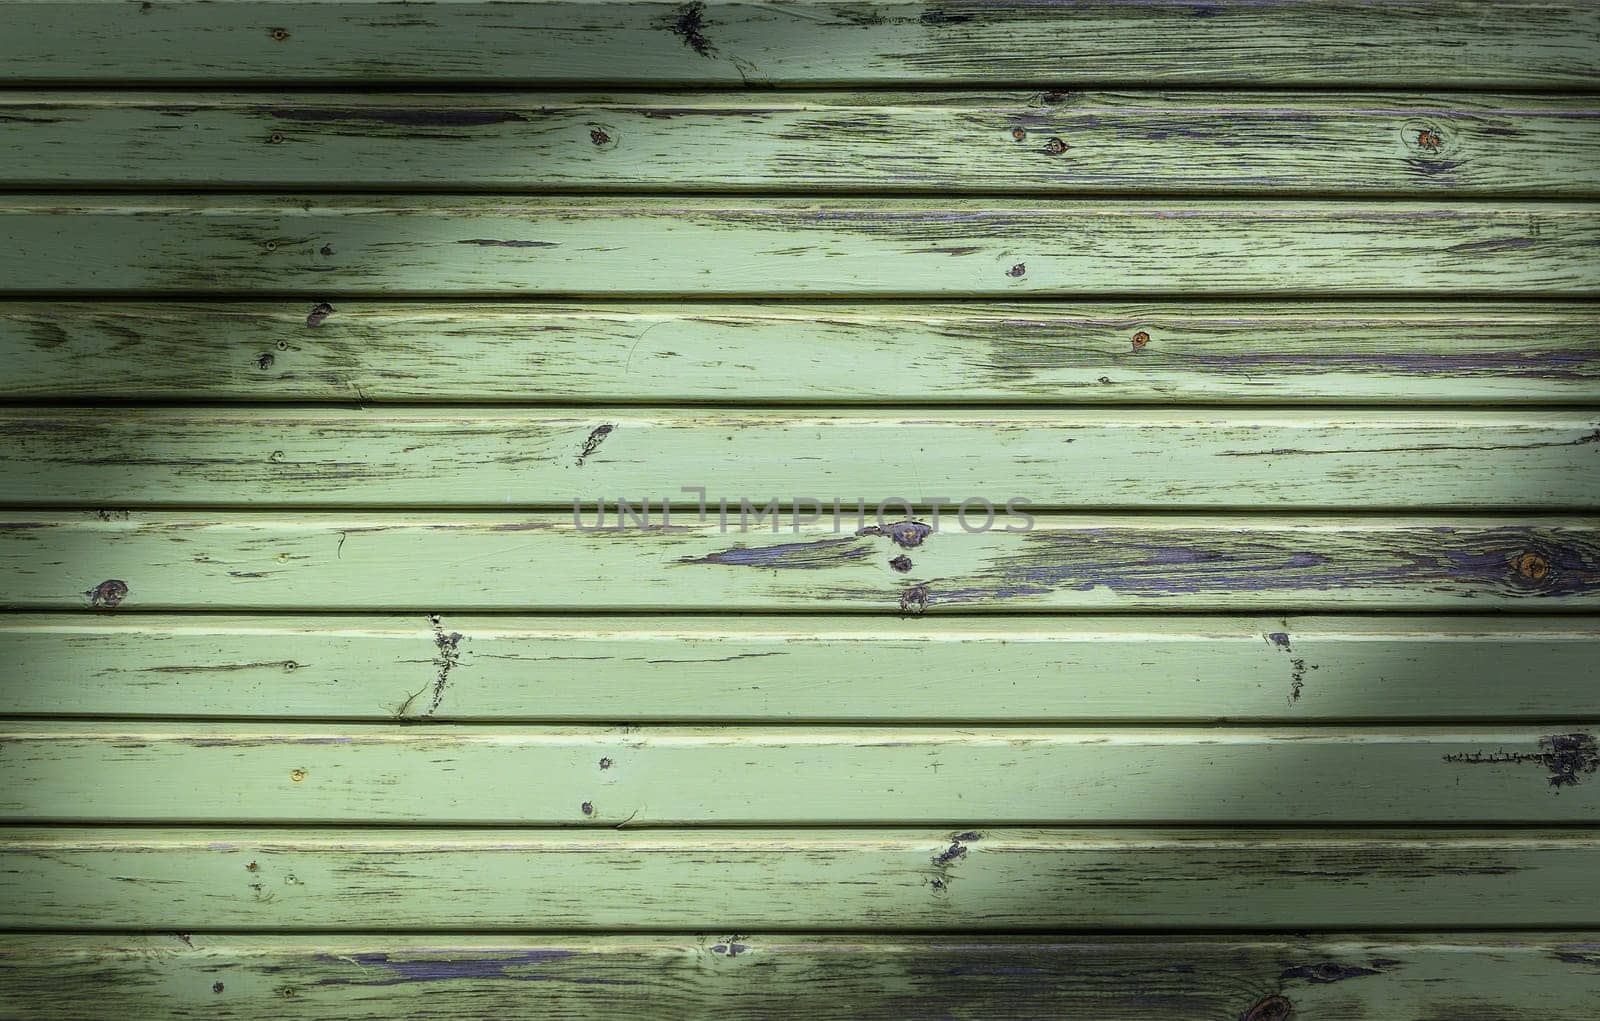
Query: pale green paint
point(131, 772)
point(732, 43)
point(333, 246)
point(1105, 142)
point(840, 669)
point(1246, 351)
point(728, 976)
point(951, 724)
point(365, 880)
point(1113, 459)
point(434, 563)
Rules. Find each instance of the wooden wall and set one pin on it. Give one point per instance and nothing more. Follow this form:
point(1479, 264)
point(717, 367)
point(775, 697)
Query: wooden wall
point(1273, 694)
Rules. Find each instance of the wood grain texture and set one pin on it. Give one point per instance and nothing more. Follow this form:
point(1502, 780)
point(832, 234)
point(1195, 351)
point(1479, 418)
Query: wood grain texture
point(333, 247)
point(839, 669)
point(293, 686)
point(484, 457)
point(1053, 142)
point(268, 879)
point(1034, 353)
point(1514, 976)
point(436, 562)
point(1327, 42)
point(156, 772)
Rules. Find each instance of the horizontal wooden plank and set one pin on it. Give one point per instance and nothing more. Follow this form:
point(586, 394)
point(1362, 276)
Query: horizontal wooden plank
point(486, 245)
point(484, 457)
point(1066, 142)
point(132, 772)
point(839, 669)
point(730, 42)
point(1021, 353)
point(266, 879)
point(436, 562)
point(1514, 977)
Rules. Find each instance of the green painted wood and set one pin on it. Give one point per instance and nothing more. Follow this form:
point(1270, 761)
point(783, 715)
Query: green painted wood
point(838, 669)
point(997, 354)
point(1097, 142)
point(1356, 42)
point(435, 562)
point(484, 245)
point(1516, 977)
point(268, 879)
point(157, 772)
point(482, 457)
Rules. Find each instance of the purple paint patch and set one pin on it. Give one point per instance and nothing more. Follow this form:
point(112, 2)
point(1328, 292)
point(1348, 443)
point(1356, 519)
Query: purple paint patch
point(108, 594)
point(496, 243)
point(906, 534)
point(822, 553)
point(1206, 562)
point(448, 969)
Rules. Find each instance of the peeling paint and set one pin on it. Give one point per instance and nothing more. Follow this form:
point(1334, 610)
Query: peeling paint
point(108, 594)
point(906, 534)
point(819, 554)
point(449, 646)
point(397, 971)
point(688, 23)
point(1567, 757)
point(1326, 972)
point(592, 443)
point(914, 600)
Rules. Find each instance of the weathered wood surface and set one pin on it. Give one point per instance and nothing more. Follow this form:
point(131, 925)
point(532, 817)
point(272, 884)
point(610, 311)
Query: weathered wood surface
point(877, 879)
point(335, 246)
point(1440, 43)
point(1034, 353)
point(1510, 977)
point(1070, 142)
point(160, 772)
point(436, 562)
point(1113, 459)
point(840, 669)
